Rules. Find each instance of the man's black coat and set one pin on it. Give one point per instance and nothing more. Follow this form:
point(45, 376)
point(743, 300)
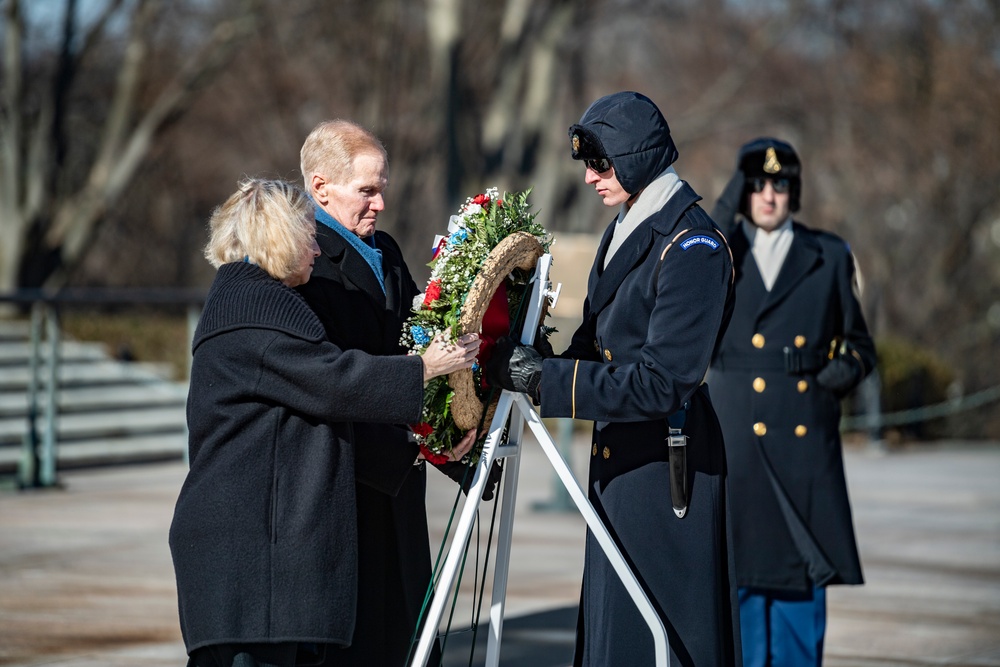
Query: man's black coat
point(650, 323)
point(792, 518)
point(393, 545)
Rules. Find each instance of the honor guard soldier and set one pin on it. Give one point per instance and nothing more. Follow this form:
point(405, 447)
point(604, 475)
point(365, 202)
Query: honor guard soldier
point(796, 345)
point(658, 297)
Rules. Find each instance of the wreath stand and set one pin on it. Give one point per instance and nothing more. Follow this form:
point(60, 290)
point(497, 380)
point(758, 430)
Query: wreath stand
point(517, 408)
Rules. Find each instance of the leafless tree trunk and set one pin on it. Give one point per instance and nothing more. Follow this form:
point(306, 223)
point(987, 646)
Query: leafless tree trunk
point(34, 208)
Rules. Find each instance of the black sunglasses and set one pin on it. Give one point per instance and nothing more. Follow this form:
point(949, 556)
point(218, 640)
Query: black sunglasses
point(600, 165)
point(780, 185)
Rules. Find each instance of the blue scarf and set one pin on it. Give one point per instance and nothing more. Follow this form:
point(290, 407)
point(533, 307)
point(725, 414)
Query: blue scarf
point(366, 247)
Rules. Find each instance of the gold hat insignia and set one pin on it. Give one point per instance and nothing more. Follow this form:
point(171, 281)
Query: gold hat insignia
point(771, 164)
point(576, 143)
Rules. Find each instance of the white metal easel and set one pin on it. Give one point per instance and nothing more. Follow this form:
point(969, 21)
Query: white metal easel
point(518, 409)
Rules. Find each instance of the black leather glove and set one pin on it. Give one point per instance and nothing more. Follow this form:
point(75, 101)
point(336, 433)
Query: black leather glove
point(515, 367)
point(462, 475)
point(840, 375)
point(728, 205)
point(542, 345)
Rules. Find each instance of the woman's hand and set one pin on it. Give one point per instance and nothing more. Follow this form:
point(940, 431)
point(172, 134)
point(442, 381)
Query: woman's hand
point(442, 356)
point(459, 449)
point(463, 446)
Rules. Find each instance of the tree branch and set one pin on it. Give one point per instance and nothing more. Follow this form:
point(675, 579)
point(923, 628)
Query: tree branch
point(120, 155)
point(10, 127)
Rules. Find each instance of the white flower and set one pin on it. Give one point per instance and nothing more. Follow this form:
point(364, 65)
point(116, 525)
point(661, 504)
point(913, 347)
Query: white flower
point(473, 209)
point(418, 302)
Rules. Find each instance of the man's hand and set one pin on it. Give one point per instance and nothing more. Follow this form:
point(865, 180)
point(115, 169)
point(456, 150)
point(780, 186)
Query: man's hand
point(728, 205)
point(542, 343)
point(515, 367)
point(840, 375)
point(462, 475)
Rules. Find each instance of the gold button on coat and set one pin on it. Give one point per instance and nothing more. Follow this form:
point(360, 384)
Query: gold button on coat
point(759, 385)
point(607, 453)
point(800, 430)
point(607, 354)
point(593, 452)
point(760, 428)
point(800, 341)
point(803, 386)
point(757, 341)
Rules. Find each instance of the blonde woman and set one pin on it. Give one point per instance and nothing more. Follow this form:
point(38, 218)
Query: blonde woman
point(264, 532)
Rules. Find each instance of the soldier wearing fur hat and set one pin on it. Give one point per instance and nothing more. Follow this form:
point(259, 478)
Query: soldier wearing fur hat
point(796, 345)
point(659, 296)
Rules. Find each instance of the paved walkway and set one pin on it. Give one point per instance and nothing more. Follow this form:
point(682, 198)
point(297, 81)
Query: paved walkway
point(87, 581)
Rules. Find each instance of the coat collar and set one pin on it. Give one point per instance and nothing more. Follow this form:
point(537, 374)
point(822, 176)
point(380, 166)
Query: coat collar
point(351, 264)
point(604, 285)
point(802, 257)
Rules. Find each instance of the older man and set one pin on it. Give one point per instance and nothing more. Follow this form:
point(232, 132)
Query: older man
point(362, 291)
point(796, 344)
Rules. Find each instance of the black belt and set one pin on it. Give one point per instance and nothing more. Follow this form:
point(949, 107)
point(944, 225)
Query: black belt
point(789, 360)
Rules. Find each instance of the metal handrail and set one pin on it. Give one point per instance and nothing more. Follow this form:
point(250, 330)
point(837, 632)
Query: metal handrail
point(37, 466)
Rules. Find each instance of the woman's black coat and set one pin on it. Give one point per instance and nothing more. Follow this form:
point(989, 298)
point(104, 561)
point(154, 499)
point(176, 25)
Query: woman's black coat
point(264, 532)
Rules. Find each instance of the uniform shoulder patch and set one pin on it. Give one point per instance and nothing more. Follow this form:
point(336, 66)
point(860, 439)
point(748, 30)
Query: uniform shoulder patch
point(699, 240)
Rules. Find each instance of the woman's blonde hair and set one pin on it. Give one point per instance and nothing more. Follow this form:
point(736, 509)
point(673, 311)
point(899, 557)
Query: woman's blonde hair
point(267, 223)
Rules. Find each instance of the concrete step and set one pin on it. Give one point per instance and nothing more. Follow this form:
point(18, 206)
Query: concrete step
point(101, 425)
point(88, 373)
point(109, 411)
point(106, 451)
point(82, 399)
point(14, 330)
point(18, 352)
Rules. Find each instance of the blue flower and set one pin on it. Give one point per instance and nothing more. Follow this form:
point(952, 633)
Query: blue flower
point(420, 336)
point(458, 237)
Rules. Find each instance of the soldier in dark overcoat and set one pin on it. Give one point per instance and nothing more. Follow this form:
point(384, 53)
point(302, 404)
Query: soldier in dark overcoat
point(796, 344)
point(362, 291)
point(659, 295)
point(264, 533)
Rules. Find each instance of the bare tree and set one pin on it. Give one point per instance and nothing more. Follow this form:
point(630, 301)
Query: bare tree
point(51, 206)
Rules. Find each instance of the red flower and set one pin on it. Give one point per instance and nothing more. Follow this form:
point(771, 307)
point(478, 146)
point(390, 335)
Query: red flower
point(422, 429)
point(499, 203)
point(482, 200)
point(432, 294)
point(436, 459)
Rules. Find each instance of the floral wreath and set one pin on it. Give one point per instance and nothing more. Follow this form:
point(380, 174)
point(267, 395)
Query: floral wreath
point(483, 223)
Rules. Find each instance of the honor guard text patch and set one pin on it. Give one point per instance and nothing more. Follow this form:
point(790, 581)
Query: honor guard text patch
point(700, 240)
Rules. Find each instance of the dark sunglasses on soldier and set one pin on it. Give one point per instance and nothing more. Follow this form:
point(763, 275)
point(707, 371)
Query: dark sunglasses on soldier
point(600, 165)
point(780, 185)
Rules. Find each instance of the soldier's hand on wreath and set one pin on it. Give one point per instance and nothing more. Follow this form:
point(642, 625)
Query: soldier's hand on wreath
point(515, 367)
point(840, 375)
point(542, 344)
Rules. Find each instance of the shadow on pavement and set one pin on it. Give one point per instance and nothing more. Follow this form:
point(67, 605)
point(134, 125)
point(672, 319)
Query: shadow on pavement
point(545, 639)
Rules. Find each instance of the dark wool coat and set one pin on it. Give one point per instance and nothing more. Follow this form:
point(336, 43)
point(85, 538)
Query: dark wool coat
point(263, 537)
point(393, 545)
point(650, 323)
point(792, 517)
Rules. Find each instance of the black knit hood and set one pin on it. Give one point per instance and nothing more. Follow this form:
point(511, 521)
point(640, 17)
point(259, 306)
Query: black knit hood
point(628, 129)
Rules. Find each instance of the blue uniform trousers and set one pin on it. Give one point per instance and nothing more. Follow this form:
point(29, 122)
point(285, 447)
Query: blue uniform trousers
point(782, 628)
